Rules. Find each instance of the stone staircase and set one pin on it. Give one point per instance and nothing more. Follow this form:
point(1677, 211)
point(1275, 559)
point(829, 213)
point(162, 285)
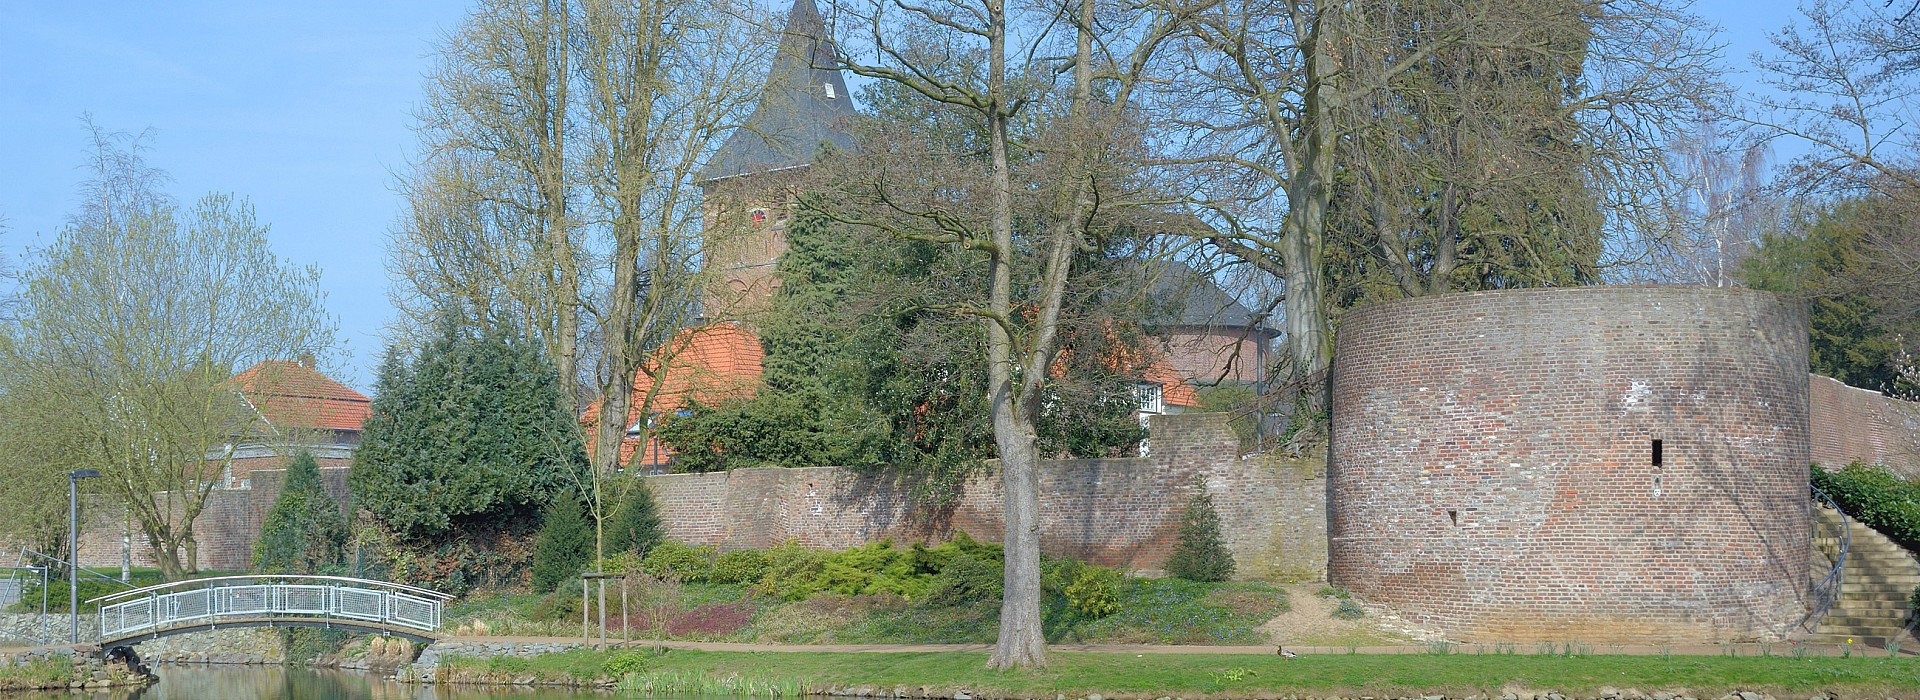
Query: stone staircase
point(1875, 584)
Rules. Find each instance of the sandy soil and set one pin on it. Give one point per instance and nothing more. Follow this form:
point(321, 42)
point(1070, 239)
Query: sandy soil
point(1311, 623)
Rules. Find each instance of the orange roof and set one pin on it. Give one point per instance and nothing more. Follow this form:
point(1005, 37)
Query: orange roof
point(291, 394)
point(708, 364)
point(1174, 390)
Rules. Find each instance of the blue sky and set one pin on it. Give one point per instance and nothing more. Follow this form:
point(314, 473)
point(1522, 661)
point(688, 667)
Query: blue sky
point(304, 108)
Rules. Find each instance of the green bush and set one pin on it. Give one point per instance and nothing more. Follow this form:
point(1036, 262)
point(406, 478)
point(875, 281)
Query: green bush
point(1095, 591)
point(672, 559)
point(1877, 497)
point(793, 572)
point(967, 579)
point(1200, 553)
point(565, 545)
point(740, 566)
point(624, 663)
point(875, 568)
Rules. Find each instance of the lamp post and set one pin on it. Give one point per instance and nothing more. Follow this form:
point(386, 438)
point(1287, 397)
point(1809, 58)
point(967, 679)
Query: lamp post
point(73, 548)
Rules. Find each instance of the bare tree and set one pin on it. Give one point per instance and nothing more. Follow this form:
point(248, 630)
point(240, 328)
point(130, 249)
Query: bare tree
point(562, 141)
point(132, 323)
point(1843, 85)
point(1028, 187)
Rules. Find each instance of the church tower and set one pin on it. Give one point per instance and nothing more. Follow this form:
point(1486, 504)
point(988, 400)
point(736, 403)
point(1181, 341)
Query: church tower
point(749, 185)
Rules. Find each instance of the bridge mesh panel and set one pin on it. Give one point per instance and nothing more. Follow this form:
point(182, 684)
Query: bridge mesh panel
point(311, 600)
point(416, 612)
point(358, 603)
point(186, 605)
point(243, 600)
point(129, 616)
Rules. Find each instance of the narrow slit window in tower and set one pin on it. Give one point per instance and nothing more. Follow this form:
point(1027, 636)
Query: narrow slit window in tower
point(1656, 452)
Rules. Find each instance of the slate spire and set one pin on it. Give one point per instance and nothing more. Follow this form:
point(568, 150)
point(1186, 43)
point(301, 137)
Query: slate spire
point(805, 104)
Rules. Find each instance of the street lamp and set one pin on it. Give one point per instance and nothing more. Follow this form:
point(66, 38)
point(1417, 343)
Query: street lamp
point(73, 545)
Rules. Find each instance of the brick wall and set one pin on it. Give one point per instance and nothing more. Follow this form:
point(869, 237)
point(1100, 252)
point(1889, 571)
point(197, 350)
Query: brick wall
point(1114, 512)
point(1491, 472)
point(225, 530)
point(1850, 424)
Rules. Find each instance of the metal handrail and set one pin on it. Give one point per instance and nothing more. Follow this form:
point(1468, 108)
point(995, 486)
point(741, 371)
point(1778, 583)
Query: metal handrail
point(307, 597)
point(1828, 589)
point(416, 590)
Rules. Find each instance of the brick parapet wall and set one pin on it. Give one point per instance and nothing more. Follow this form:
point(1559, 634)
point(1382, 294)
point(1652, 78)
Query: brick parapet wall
point(1115, 512)
point(225, 530)
point(1851, 424)
point(1491, 475)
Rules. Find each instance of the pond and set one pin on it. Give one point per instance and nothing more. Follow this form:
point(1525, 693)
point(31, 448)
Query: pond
point(181, 682)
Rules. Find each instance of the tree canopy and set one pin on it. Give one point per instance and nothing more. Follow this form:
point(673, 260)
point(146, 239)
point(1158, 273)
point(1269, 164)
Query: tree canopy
point(467, 429)
point(304, 533)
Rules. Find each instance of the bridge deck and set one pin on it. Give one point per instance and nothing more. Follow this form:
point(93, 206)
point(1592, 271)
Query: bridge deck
point(208, 624)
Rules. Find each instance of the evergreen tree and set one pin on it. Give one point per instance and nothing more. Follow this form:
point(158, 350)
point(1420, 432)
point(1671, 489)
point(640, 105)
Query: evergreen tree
point(304, 532)
point(1200, 553)
point(565, 546)
point(635, 527)
point(469, 430)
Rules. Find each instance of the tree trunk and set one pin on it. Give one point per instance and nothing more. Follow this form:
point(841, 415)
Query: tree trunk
point(1303, 233)
point(1022, 642)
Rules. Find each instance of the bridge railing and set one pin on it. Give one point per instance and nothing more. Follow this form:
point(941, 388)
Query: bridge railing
point(207, 600)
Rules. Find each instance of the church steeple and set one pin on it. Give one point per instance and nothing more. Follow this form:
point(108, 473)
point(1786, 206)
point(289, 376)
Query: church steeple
point(805, 104)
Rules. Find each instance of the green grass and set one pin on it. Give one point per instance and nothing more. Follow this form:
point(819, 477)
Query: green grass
point(1171, 674)
point(43, 673)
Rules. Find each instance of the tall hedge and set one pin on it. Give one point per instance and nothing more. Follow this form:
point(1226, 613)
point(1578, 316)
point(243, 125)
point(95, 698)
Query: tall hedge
point(304, 532)
point(468, 430)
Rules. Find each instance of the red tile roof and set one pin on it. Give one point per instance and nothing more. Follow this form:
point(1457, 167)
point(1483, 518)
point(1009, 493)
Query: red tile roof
point(708, 364)
point(290, 394)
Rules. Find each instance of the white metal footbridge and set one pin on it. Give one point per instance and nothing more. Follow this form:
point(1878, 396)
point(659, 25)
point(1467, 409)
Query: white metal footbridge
point(221, 602)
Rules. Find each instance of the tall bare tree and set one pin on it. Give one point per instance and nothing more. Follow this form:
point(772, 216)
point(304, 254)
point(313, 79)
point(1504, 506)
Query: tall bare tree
point(1435, 109)
point(562, 140)
point(131, 324)
point(1032, 186)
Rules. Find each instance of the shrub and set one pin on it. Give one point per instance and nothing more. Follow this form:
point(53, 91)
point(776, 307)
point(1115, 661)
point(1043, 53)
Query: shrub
point(793, 572)
point(740, 566)
point(966, 579)
point(564, 547)
point(1200, 554)
point(305, 532)
point(710, 621)
point(1349, 610)
point(624, 663)
point(872, 569)
point(673, 559)
point(1877, 497)
point(1095, 591)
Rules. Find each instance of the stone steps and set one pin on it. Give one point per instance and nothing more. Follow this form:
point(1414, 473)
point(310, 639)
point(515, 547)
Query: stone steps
point(1875, 583)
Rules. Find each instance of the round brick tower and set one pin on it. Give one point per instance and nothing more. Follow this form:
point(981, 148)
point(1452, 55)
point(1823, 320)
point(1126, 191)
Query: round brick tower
point(1595, 464)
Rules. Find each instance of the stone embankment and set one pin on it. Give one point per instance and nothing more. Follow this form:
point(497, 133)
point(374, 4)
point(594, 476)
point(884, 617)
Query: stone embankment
point(251, 645)
point(43, 668)
point(426, 669)
point(385, 654)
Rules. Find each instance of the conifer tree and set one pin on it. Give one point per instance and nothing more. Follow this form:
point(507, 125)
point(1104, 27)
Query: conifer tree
point(305, 532)
point(565, 545)
point(1200, 553)
point(468, 430)
point(636, 526)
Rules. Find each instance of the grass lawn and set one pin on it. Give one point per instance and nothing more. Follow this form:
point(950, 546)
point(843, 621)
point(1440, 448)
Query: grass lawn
point(1126, 675)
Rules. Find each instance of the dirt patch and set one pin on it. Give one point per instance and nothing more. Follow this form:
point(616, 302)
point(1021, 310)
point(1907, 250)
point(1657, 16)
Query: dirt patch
point(1310, 622)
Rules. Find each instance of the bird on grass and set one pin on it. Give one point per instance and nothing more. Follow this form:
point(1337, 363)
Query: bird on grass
point(1282, 651)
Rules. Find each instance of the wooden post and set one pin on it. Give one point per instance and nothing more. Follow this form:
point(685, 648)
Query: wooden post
point(603, 614)
point(586, 633)
point(626, 621)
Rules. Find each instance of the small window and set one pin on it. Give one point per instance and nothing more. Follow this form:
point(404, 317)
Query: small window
point(1657, 456)
point(829, 87)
